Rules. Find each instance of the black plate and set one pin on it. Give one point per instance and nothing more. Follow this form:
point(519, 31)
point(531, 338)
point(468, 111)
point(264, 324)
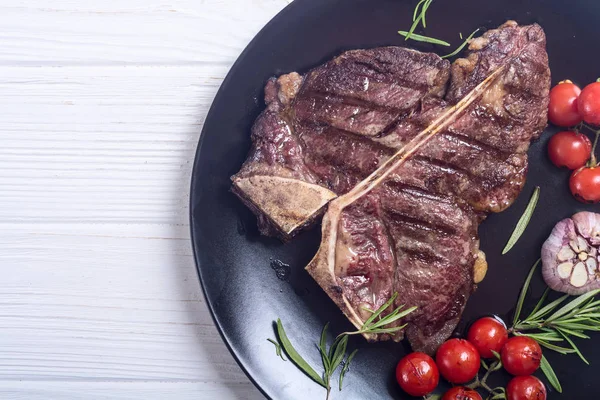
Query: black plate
point(244, 291)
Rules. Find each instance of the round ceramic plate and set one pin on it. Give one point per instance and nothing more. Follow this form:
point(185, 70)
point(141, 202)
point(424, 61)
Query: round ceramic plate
point(250, 280)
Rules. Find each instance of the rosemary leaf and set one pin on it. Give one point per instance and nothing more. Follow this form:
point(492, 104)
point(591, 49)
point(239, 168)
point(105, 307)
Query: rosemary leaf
point(589, 315)
point(339, 353)
point(547, 309)
point(420, 38)
point(346, 366)
point(568, 320)
point(424, 12)
point(575, 333)
point(385, 330)
point(579, 300)
point(295, 357)
point(323, 349)
point(576, 327)
point(541, 301)
point(459, 48)
point(524, 292)
point(393, 317)
point(550, 375)
point(417, 9)
point(568, 339)
point(381, 309)
point(553, 347)
point(523, 221)
point(420, 18)
point(543, 336)
point(334, 346)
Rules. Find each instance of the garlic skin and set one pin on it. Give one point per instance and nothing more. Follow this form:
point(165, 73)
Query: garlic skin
point(570, 255)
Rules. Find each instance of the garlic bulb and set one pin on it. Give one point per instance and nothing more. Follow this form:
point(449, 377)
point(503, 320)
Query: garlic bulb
point(570, 256)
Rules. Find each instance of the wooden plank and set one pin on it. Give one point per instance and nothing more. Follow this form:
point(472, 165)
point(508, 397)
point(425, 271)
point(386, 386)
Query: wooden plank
point(126, 391)
point(73, 32)
point(101, 144)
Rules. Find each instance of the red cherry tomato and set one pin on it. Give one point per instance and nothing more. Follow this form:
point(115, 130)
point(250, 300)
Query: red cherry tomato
point(589, 103)
point(525, 388)
point(569, 149)
point(461, 393)
point(562, 109)
point(457, 360)
point(417, 374)
point(521, 355)
point(585, 184)
point(487, 334)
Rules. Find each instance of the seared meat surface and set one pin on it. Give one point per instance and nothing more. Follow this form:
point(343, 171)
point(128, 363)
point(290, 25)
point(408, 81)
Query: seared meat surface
point(406, 180)
point(315, 139)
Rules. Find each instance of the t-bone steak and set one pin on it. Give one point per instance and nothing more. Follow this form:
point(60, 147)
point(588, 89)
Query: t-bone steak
point(407, 155)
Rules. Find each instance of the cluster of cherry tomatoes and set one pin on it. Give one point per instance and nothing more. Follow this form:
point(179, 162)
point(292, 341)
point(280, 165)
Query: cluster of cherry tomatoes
point(458, 361)
point(569, 107)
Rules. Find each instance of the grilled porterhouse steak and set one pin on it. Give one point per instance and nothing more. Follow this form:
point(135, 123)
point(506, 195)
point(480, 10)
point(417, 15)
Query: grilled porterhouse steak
point(410, 226)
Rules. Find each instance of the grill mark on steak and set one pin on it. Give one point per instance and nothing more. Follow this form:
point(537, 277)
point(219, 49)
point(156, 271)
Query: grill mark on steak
point(398, 80)
point(337, 99)
point(419, 224)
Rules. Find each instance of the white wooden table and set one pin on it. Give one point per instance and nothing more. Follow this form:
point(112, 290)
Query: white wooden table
point(101, 108)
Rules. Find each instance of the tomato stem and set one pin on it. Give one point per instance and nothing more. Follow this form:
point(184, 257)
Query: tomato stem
point(593, 161)
point(481, 383)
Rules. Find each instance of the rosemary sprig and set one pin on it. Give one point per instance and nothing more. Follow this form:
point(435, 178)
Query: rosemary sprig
point(333, 357)
point(459, 49)
point(559, 321)
point(377, 324)
point(421, 38)
point(523, 221)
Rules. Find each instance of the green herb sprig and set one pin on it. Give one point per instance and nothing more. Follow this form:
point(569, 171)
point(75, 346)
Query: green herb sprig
point(523, 221)
point(335, 355)
point(376, 324)
point(560, 321)
point(419, 17)
point(459, 48)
